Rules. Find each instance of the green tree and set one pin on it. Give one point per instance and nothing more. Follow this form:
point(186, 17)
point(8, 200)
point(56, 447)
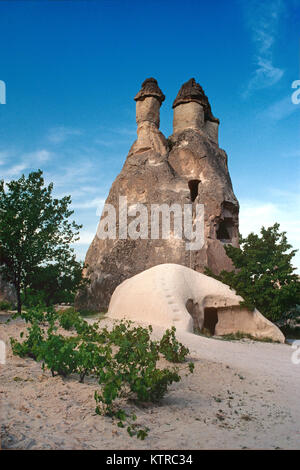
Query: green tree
point(55, 283)
point(264, 275)
point(35, 231)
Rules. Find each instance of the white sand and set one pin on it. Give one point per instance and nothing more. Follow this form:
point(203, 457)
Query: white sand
point(242, 395)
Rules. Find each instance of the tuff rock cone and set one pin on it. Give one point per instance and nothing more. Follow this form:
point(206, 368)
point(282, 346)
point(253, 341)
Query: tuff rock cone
point(188, 168)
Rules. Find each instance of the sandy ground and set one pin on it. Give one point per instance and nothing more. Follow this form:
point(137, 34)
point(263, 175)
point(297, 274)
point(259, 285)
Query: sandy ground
point(242, 395)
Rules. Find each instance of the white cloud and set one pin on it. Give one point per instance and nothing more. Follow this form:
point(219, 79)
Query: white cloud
point(72, 175)
point(96, 203)
point(265, 74)
point(25, 161)
point(83, 191)
point(280, 110)
point(263, 19)
point(14, 171)
point(39, 156)
point(57, 135)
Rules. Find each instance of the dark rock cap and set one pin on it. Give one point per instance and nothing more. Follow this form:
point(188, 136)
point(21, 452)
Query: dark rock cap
point(150, 88)
point(192, 91)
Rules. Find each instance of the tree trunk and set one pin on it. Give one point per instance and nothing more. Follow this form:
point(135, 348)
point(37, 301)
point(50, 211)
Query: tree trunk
point(18, 292)
point(19, 301)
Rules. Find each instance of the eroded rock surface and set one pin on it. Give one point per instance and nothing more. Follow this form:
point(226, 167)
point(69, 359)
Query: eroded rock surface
point(189, 168)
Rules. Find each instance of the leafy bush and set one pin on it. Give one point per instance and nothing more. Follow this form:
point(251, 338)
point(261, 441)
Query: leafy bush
point(133, 367)
point(41, 314)
point(132, 372)
point(69, 318)
point(172, 350)
point(92, 357)
point(32, 345)
point(4, 305)
point(59, 354)
point(124, 360)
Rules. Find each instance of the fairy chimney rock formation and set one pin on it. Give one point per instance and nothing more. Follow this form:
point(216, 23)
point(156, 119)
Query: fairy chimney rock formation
point(148, 102)
point(192, 110)
point(187, 169)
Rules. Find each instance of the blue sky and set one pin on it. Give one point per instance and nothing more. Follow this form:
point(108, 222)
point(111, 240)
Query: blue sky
point(72, 68)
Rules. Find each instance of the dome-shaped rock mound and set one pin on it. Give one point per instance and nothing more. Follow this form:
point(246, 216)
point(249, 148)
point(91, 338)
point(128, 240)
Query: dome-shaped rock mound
point(174, 295)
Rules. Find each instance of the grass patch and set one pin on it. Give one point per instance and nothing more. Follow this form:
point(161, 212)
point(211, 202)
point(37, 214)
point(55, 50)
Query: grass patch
point(239, 335)
point(71, 311)
point(91, 314)
point(204, 332)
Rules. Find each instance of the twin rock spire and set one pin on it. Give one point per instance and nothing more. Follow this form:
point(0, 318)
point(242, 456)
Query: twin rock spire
point(191, 108)
point(188, 168)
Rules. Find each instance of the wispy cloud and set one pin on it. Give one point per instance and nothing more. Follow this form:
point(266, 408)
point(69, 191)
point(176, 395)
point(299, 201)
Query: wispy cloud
point(39, 156)
point(80, 170)
point(280, 109)
point(13, 171)
point(96, 203)
point(58, 135)
point(84, 190)
point(262, 19)
point(23, 162)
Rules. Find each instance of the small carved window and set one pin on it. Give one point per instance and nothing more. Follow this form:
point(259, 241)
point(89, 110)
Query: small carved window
point(193, 185)
point(224, 231)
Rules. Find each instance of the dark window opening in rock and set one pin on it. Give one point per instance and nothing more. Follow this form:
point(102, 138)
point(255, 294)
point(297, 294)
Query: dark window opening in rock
point(224, 232)
point(210, 320)
point(193, 185)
